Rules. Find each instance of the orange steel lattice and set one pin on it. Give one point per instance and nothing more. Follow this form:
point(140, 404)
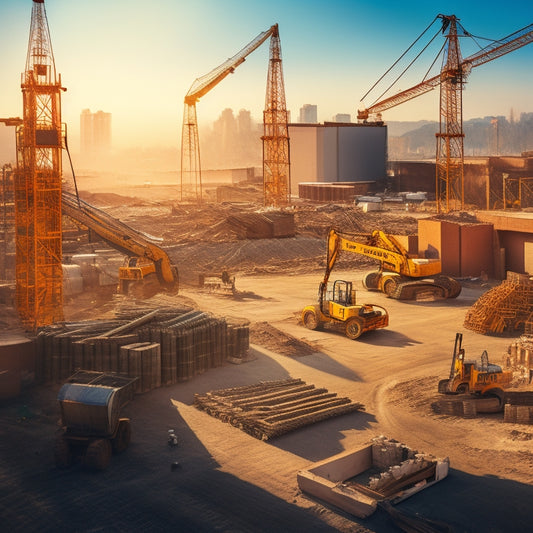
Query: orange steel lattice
point(450, 139)
point(39, 278)
point(451, 80)
point(276, 155)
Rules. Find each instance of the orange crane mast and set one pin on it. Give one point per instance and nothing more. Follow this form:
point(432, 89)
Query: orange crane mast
point(39, 140)
point(451, 80)
point(191, 175)
point(276, 147)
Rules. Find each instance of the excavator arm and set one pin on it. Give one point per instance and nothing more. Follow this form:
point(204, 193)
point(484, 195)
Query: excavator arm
point(385, 248)
point(121, 237)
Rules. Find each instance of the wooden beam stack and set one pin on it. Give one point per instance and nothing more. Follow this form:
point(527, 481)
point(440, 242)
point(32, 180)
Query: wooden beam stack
point(272, 408)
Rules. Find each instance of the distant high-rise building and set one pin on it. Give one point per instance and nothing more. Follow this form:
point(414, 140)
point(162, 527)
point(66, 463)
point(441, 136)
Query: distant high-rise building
point(95, 131)
point(345, 118)
point(308, 114)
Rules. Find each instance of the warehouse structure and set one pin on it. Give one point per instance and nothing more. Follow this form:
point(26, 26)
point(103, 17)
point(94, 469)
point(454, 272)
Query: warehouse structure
point(334, 152)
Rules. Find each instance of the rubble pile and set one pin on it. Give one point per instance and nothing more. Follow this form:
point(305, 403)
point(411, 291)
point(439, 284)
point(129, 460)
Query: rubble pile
point(273, 408)
point(400, 466)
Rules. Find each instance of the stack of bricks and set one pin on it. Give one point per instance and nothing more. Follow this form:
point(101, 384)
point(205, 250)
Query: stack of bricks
point(503, 309)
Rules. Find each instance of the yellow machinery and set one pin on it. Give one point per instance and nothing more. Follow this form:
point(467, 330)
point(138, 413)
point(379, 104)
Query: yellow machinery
point(400, 276)
point(147, 266)
point(338, 306)
point(476, 377)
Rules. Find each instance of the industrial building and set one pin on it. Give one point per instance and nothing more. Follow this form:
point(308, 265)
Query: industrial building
point(337, 153)
point(308, 114)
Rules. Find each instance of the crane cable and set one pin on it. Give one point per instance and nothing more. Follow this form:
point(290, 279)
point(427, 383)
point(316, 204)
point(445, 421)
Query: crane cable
point(401, 57)
point(72, 170)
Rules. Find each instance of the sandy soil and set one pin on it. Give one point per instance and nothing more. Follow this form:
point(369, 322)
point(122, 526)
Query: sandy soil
point(229, 481)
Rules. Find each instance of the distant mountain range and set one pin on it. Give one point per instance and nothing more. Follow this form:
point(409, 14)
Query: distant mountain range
point(483, 137)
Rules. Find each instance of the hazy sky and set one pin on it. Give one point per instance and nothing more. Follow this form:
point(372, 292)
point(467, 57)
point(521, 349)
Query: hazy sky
point(137, 59)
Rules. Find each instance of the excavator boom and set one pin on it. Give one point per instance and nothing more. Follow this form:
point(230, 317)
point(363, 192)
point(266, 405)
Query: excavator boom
point(120, 236)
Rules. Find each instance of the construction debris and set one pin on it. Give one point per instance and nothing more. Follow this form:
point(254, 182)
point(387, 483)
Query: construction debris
point(161, 347)
point(382, 470)
point(273, 408)
point(505, 308)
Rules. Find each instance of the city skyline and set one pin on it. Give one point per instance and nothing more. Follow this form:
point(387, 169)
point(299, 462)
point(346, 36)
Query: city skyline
point(138, 63)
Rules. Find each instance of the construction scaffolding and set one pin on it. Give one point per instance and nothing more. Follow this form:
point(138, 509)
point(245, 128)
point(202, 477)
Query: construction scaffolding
point(39, 277)
point(517, 192)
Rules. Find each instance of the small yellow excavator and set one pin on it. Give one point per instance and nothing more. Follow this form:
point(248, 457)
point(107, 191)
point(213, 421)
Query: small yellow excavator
point(472, 376)
point(400, 276)
point(338, 307)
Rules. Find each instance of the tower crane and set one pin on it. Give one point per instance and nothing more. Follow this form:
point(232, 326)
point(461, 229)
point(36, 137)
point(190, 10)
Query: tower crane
point(191, 179)
point(453, 75)
point(39, 140)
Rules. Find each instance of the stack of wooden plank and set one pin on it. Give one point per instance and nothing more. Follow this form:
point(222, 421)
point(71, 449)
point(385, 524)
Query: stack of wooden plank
point(160, 347)
point(272, 408)
point(503, 309)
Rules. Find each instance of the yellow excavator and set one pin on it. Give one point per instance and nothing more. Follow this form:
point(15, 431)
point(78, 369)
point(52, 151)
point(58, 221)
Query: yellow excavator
point(338, 307)
point(400, 276)
point(147, 267)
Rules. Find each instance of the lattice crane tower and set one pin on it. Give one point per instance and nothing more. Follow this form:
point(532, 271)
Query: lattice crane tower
point(39, 278)
point(451, 81)
point(276, 154)
point(450, 139)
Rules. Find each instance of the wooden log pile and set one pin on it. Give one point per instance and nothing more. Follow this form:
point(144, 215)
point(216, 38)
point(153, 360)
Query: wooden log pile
point(160, 347)
point(503, 309)
point(272, 408)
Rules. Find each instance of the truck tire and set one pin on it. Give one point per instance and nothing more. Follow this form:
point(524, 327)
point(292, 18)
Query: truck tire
point(354, 328)
point(121, 440)
point(98, 454)
point(62, 452)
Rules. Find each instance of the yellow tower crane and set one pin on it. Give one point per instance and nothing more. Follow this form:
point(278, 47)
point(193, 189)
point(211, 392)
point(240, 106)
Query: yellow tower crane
point(275, 117)
point(451, 80)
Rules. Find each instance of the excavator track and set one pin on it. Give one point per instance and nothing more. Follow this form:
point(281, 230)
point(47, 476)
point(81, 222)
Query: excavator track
point(436, 288)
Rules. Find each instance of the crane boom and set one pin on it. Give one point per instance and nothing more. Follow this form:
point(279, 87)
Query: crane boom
point(201, 86)
point(191, 174)
point(497, 49)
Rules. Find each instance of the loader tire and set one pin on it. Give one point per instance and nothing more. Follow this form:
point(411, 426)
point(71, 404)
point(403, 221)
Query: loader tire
point(121, 440)
point(310, 320)
point(98, 454)
point(354, 328)
point(62, 452)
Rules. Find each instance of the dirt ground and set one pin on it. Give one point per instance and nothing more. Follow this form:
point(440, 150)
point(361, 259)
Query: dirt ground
point(227, 480)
